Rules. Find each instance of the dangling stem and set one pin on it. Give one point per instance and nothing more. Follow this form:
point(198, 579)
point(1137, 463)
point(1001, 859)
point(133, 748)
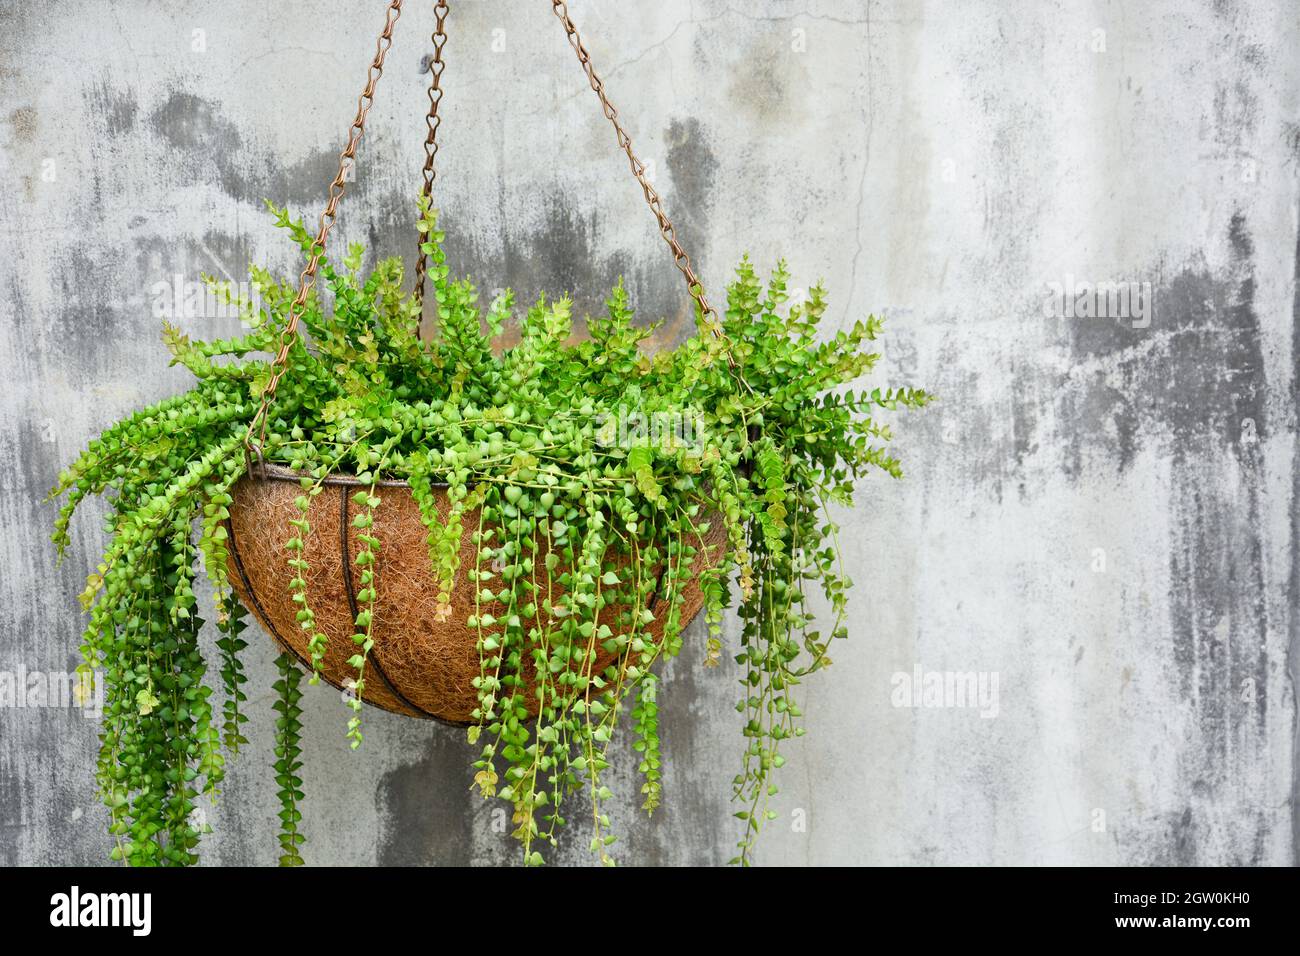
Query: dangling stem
point(288, 753)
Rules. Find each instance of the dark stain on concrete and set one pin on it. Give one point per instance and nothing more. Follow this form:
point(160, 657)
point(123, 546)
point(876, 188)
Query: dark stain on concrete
point(1293, 585)
point(1195, 376)
point(562, 257)
point(1191, 388)
point(88, 285)
point(429, 816)
point(1023, 431)
point(217, 254)
point(693, 169)
point(15, 795)
point(305, 182)
point(1184, 838)
point(1213, 387)
point(116, 108)
point(213, 148)
point(693, 172)
point(190, 122)
point(684, 831)
point(1236, 112)
point(24, 122)
point(427, 807)
point(39, 464)
point(760, 80)
point(1198, 392)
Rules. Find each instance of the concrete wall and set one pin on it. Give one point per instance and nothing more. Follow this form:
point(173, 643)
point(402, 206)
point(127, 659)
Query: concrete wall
point(1100, 513)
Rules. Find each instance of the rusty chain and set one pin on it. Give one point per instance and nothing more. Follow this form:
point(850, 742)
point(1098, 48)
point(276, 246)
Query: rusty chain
point(307, 279)
point(682, 260)
point(433, 121)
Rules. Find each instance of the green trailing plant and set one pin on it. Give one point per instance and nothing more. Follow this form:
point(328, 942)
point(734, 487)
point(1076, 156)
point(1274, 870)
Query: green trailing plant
point(288, 757)
point(592, 471)
point(230, 622)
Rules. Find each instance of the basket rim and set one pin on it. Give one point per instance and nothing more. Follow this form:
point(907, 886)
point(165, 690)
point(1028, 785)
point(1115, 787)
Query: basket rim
point(269, 472)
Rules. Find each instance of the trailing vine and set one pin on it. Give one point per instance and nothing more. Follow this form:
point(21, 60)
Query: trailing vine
point(288, 757)
point(230, 622)
point(588, 476)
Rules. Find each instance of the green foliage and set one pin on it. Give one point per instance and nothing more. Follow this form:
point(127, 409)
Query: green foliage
point(288, 757)
point(592, 472)
point(230, 622)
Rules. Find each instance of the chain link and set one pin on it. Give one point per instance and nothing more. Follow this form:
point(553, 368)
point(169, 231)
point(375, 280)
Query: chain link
point(682, 260)
point(307, 279)
point(433, 121)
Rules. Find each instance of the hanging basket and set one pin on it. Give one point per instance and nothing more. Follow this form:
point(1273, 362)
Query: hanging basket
point(420, 666)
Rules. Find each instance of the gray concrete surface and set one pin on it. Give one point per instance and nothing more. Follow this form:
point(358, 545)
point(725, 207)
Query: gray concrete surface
point(1099, 516)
